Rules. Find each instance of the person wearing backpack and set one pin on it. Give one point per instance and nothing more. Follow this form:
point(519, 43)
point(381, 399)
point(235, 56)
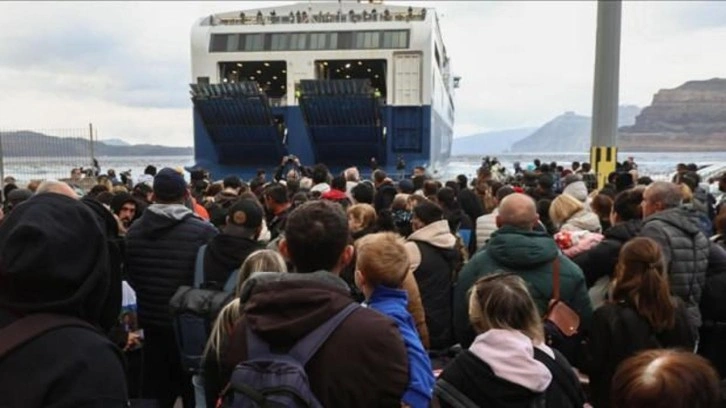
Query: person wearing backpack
point(54, 308)
point(508, 365)
point(306, 323)
point(641, 315)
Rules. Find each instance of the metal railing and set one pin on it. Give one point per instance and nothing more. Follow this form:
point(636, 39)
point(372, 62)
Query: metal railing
point(302, 17)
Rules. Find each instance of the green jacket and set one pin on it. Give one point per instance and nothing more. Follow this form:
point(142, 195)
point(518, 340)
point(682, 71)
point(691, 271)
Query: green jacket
point(529, 254)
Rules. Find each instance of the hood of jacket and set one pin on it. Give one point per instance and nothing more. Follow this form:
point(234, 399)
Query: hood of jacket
point(510, 354)
point(436, 234)
point(231, 250)
point(334, 195)
point(624, 231)
point(54, 259)
point(681, 218)
point(283, 307)
point(517, 248)
point(582, 221)
point(577, 189)
point(160, 217)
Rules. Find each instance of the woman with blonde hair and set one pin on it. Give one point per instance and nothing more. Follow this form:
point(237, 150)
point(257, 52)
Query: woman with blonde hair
point(569, 214)
point(508, 364)
point(640, 315)
point(259, 261)
point(361, 220)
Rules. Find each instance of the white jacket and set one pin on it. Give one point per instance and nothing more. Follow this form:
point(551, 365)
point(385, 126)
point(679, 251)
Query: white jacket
point(485, 226)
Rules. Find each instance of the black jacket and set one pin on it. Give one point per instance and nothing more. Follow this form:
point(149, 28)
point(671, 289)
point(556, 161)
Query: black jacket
point(473, 377)
point(55, 260)
point(225, 253)
point(161, 249)
point(434, 278)
point(601, 260)
point(617, 333)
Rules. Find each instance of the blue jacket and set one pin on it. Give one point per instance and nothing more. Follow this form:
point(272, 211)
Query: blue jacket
point(392, 303)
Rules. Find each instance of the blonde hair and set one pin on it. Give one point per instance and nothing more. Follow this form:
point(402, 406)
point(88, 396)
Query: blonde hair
point(119, 189)
point(563, 207)
point(264, 260)
point(223, 326)
point(686, 193)
point(364, 214)
point(382, 259)
point(502, 301)
point(400, 202)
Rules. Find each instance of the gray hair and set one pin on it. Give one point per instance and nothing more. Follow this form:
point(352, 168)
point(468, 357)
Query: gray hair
point(665, 193)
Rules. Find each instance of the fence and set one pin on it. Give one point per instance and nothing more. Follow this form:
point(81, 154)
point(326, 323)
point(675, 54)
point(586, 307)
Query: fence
point(41, 154)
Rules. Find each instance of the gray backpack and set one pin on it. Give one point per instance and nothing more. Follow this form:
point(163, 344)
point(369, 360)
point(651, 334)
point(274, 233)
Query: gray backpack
point(271, 379)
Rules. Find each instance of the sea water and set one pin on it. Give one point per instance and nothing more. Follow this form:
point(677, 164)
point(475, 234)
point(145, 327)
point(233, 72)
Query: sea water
point(661, 165)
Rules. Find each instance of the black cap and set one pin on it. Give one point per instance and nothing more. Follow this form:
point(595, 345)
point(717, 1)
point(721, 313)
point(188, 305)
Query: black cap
point(245, 213)
point(169, 184)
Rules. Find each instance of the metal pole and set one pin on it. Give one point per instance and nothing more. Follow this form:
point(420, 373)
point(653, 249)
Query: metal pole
point(603, 151)
point(90, 139)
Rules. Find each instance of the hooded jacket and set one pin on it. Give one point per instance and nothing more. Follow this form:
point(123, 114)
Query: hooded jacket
point(374, 370)
point(501, 370)
point(433, 257)
point(225, 253)
point(161, 248)
point(577, 189)
point(685, 254)
point(392, 303)
point(529, 254)
point(485, 226)
point(54, 259)
point(601, 260)
point(582, 221)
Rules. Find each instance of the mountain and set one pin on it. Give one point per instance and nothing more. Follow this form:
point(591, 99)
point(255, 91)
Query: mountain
point(691, 117)
point(489, 142)
point(114, 142)
point(568, 132)
point(33, 144)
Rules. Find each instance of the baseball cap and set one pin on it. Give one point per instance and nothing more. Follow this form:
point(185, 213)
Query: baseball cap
point(245, 213)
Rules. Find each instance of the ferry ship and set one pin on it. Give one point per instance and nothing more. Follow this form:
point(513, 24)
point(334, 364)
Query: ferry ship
point(339, 83)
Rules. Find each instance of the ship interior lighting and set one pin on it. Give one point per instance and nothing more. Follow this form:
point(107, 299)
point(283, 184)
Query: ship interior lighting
point(270, 76)
point(372, 69)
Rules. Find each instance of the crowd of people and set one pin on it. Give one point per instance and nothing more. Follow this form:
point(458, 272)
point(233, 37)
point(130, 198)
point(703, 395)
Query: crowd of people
point(522, 288)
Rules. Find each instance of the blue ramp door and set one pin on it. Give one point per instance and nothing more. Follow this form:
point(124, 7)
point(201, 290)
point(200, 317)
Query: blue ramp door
point(343, 119)
point(239, 122)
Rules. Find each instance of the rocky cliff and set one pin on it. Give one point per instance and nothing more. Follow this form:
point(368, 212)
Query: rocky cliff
point(689, 117)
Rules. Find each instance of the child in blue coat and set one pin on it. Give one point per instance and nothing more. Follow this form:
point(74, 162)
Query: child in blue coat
point(381, 266)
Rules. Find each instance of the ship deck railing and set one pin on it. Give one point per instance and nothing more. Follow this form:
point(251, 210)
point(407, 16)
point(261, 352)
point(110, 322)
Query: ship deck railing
point(304, 18)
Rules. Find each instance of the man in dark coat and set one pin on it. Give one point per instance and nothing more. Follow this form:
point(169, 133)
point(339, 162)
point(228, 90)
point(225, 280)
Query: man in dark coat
point(161, 249)
point(54, 260)
point(685, 248)
point(227, 251)
point(363, 363)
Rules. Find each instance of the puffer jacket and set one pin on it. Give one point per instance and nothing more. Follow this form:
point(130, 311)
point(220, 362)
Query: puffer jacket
point(685, 253)
point(577, 189)
point(485, 226)
point(529, 254)
point(582, 221)
point(433, 258)
point(161, 248)
point(601, 260)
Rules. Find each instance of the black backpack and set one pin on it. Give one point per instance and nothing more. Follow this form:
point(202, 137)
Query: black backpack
point(194, 311)
point(271, 379)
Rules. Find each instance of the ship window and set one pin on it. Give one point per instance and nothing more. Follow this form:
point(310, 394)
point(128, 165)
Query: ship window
point(254, 42)
point(317, 41)
point(297, 41)
point(395, 39)
point(233, 43)
point(279, 42)
point(367, 39)
point(219, 42)
point(333, 41)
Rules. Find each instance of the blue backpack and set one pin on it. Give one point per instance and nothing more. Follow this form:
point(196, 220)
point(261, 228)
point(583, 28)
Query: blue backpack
point(271, 379)
point(194, 310)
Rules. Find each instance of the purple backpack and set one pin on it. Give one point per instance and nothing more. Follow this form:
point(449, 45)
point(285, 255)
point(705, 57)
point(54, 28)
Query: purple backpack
point(270, 379)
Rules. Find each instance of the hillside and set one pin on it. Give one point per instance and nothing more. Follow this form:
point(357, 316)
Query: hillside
point(568, 132)
point(489, 142)
point(33, 144)
point(691, 117)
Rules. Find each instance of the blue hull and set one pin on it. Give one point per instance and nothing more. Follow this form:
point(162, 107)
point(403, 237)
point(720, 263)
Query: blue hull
point(238, 138)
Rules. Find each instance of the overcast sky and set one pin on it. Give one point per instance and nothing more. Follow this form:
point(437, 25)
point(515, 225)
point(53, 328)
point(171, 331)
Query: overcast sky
point(125, 67)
